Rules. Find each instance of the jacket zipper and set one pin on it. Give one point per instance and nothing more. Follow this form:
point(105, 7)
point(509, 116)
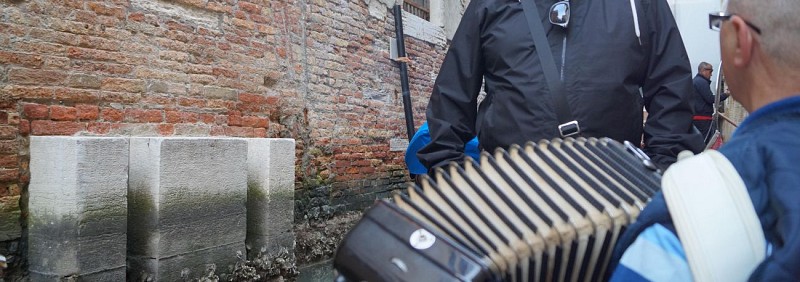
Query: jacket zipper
point(563, 56)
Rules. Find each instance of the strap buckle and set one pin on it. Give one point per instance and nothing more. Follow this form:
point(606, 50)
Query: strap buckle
point(569, 129)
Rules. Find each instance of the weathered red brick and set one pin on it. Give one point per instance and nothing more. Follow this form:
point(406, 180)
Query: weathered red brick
point(84, 81)
point(63, 113)
point(101, 9)
point(14, 190)
point(27, 60)
point(235, 119)
point(262, 122)
point(9, 161)
point(100, 43)
point(137, 16)
point(24, 178)
point(88, 112)
point(24, 127)
point(166, 129)
point(181, 117)
point(35, 76)
point(99, 127)
point(191, 102)
point(8, 132)
point(46, 127)
point(207, 118)
point(120, 97)
point(223, 104)
point(123, 85)
point(248, 107)
point(260, 132)
point(196, 3)
point(85, 17)
point(217, 130)
point(249, 7)
point(249, 121)
point(243, 23)
point(101, 67)
point(111, 114)
point(173, 25)
point(221, 119)
point(158, 100)
point(35, 111)
point(260, 19)
point(217, 7)
point(251, 98)
point(225, 72)
point(7, 175)
point(273, 100)
point(190, 117)
point(9, 147)
point(26, 92)
point(172, 116)
point(237, 131)
point(139, 115)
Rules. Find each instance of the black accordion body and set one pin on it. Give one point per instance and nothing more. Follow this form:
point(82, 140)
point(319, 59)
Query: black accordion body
point(548, 211)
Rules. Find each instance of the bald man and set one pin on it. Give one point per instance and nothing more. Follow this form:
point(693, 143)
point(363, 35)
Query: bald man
point(703, 101)
point(761, 61)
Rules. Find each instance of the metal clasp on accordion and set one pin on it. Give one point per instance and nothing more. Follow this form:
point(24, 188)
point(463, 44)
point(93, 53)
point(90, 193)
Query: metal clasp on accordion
point(646, 161)
point(569, 129)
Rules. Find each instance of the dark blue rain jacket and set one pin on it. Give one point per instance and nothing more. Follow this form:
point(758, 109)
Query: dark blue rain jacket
point(765, 150)
point(608, 52)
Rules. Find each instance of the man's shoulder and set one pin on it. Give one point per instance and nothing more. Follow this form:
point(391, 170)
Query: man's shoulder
point(698, 82)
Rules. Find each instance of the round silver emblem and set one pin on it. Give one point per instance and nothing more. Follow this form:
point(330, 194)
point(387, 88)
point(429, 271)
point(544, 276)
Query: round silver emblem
point(421, 239)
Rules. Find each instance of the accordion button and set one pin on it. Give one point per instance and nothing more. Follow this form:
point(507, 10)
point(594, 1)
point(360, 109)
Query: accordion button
point(421, 239)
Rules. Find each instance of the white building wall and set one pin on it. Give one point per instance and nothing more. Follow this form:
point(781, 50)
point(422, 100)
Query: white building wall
point(702, 44)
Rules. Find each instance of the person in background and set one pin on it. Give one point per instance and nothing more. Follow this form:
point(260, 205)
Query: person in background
point(614, 58)
point(761, 61)
point(421, 138)
point(704, 101)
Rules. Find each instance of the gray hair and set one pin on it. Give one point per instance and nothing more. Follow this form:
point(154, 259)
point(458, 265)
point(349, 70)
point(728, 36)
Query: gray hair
point(779, 21)
point(702, 66)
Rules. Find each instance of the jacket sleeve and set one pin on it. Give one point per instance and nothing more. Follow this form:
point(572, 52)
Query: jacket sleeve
point(667, 89)
point(452, 108)
point(782, 222)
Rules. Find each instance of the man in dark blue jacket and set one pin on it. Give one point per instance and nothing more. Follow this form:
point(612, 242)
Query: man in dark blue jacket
point(704, 100)
point(614, 59)
point(761, 63)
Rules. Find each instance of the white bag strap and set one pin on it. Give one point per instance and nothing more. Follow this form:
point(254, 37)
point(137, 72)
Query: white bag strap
point(715, 218)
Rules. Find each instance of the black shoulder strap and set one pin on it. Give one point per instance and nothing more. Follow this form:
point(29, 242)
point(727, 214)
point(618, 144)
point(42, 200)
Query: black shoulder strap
point(568, 126)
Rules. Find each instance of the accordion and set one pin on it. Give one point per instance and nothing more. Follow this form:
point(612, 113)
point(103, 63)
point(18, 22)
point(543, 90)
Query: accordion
point(548, 211)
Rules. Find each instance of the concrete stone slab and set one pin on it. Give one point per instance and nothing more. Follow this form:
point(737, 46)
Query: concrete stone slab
point(186, 196)
point(77, 207)
point(270, 194)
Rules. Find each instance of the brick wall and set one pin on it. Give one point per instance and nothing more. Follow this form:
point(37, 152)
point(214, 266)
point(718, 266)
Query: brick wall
point(314, 70)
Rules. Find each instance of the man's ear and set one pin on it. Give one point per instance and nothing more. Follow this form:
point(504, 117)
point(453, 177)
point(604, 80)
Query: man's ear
point(744, 42)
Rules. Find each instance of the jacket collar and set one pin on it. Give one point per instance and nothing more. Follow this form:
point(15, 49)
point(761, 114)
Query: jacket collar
point(786, 106)
point(703, 77)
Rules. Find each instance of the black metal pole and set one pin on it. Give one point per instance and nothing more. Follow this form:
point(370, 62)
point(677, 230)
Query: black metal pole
point(401, 53)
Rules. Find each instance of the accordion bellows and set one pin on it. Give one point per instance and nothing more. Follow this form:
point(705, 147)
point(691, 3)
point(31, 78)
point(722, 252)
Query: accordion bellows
point(548, 211)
